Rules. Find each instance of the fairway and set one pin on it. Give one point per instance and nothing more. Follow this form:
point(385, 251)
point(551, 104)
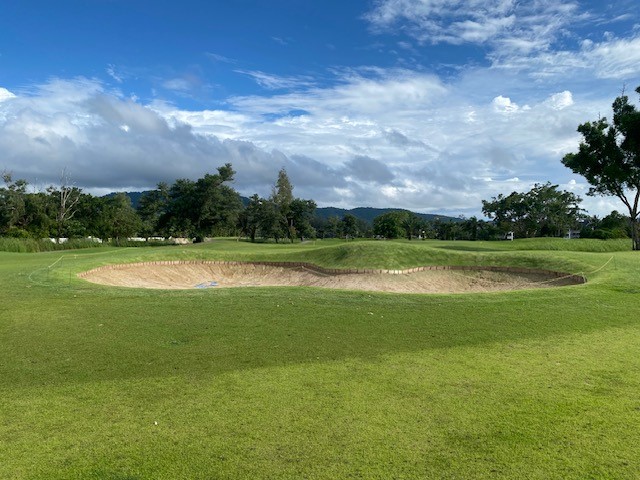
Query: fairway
point(114, 382)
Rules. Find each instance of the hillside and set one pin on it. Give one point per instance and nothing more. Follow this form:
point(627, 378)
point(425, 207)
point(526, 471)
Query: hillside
point(368, 213)
point(363, 213)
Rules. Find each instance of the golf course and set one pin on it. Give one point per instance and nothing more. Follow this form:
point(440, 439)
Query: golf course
point(292, 382)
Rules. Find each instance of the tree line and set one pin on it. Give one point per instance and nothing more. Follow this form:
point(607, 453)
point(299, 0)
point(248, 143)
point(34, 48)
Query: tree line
point(206, 207)
point(209, 207)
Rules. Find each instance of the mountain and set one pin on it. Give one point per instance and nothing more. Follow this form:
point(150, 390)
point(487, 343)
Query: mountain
point(363, 213)
point(368, 213)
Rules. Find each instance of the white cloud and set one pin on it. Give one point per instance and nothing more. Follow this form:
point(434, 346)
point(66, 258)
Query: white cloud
point(179, 84)
point(384, 138)
point(5, 94)
point(215, 57)
point(113, 73)
point(616, 58)
point(613, 58)
point(504, 105)
point(560, 101)
point(277, 82)
point(516, 26)
point(541, 38)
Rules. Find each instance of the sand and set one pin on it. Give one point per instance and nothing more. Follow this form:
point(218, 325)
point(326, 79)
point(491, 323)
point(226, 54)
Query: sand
point(210, 275)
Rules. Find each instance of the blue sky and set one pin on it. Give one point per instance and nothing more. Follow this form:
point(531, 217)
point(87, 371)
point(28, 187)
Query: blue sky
point(431, 105)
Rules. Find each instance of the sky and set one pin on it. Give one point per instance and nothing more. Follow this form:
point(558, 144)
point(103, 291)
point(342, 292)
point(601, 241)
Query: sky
point(428, 105)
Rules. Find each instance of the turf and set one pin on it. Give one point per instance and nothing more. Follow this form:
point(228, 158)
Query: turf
point(117, 383)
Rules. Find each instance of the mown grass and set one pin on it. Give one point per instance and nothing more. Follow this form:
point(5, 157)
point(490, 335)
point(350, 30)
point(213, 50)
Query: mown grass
point(116, 383)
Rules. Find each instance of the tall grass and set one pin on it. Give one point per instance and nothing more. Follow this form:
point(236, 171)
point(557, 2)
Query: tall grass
point(30, 245)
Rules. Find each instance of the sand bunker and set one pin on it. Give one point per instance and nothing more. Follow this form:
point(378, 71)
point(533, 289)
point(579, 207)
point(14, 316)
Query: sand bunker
point(205, 274)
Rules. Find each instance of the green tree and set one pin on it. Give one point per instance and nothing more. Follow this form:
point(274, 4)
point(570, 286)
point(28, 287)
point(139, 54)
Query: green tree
point(206, 207)
point(389, 225)
point(271, 225)
point(12, 203)
point(282, 197)
point(249, 219)
point(151, 207)
point(218, 205)
point(178, 218)
point(301, 212)
point(349, 226)
point(121, 218)
point(614, 225)
point(412, 225)
point(542, 211)
point(39, 215)
point(609, 158)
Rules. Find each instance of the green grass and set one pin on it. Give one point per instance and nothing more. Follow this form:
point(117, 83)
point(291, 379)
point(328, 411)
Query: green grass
point(116, 383)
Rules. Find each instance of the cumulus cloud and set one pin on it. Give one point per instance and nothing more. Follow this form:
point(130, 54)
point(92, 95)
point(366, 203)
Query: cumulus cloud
point(108, 142)
point(382, 138)
point(5, 94)
point(560, 101)
point(504, 105)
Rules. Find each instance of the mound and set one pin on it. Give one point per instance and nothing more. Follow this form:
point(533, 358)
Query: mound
point(203, 274)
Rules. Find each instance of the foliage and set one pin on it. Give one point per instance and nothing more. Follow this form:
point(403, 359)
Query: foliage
point(614, 225)
point(152, 206)
point(542, 211)
point(202, 208)
point(300, 213)
point(349, 226)
point(389, 225)
point(280, 216)
point(609, 158)
point(12, 204)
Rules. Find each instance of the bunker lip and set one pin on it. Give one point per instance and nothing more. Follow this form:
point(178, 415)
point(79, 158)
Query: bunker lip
point(190, 274)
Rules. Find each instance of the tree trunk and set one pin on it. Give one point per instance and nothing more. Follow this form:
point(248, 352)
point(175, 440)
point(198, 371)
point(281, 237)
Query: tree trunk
point(635, 234)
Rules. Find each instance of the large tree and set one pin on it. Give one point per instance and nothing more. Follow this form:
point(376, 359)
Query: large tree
point(66, 198)
point(152, 206)
point(282, 196)
point(206, 207)
point(542, 211)
point(389, 225)
point(609, 158)
point(12, 204)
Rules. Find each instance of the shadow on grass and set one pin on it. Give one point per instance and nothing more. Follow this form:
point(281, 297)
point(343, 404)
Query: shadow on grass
point(77, 339)
point(468, 248)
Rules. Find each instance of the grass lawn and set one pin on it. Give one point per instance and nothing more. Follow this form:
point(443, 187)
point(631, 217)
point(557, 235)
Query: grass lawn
point(113, 383)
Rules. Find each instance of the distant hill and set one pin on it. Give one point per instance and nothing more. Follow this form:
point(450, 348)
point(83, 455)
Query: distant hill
point(363, 213)
point(368, 213)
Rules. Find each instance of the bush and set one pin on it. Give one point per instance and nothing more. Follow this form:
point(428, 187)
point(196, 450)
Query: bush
point(15, 232)
point(609, 233)
point(30, 245)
